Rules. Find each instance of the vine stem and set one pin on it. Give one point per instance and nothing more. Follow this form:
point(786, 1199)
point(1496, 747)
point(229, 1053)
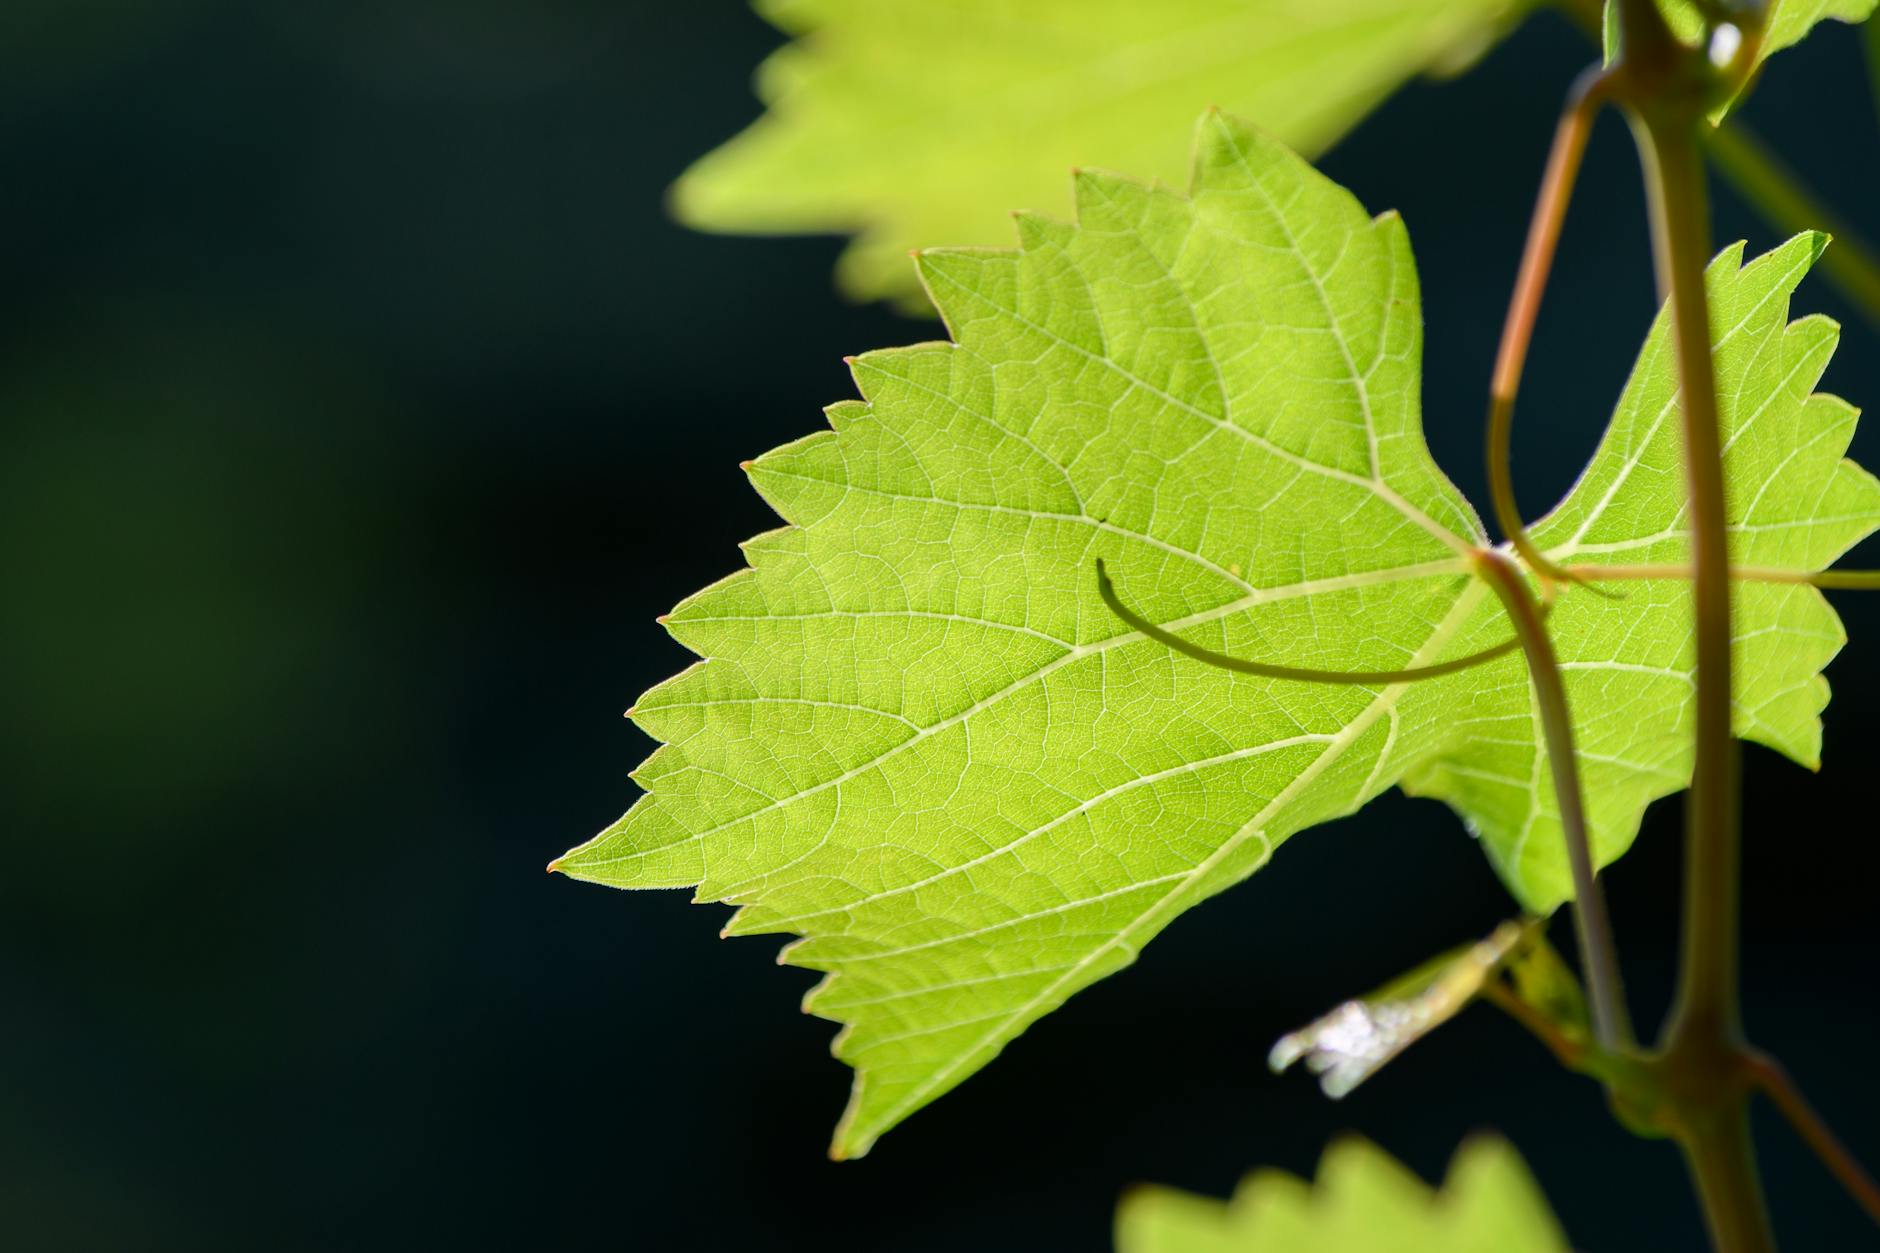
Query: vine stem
point(1702, 1049)
point(1722, 1159)
point(1708, 1003)
point(1592, 923)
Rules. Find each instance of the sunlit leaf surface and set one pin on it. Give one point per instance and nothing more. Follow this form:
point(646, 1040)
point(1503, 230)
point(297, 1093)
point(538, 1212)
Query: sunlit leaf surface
point(920, 741)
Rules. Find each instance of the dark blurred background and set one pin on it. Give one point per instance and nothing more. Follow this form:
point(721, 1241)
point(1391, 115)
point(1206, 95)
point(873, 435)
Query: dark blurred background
point(361, 409)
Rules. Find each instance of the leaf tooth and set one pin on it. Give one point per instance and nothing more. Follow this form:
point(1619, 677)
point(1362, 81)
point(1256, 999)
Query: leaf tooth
point(1810, 342)
point(753, 918)
point(1039, 307)
point(677, 708)
point(654, 766)
point(801, 479)
point(667, 690)
point(1230, 154)
point(1040, 230)
point(781, 549)
point(934, 360)
point(701, 620)
point(1820, 692)
point(968, 283)
point(1110, 201)
point(1727, 265)
point(1771, 279)
point(844, 412)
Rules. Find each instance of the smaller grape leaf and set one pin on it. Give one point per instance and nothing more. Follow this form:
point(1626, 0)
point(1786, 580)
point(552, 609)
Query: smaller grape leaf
point(1794, 503)
point(1363, 1201)
point(917, 124)
point(1787, 23)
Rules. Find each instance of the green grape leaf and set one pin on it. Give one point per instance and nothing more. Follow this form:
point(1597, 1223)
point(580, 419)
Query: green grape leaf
point(1786, 24)
point(914, 124)
point(921, 742)
point(1363, 1201)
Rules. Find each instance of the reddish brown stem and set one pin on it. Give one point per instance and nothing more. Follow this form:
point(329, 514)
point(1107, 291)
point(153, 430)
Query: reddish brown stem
point(1592, 925)
point(1774, 1082)
point(1517, 332)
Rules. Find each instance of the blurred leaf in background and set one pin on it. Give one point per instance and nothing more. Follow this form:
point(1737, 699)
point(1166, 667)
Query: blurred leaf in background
point(914, 125)
point(1362, 1202)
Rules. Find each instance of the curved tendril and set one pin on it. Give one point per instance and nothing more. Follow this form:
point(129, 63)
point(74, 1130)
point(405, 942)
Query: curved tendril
point(1589, 93)
point(1240, 665)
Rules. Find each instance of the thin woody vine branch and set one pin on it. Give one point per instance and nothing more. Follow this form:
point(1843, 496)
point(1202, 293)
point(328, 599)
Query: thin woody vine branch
point(1612, 1027)
point(1667, 89)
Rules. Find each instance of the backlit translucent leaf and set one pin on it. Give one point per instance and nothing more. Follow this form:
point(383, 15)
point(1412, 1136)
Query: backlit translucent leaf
point(914, 124)
point(1362, 1202)
point(921, 742)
